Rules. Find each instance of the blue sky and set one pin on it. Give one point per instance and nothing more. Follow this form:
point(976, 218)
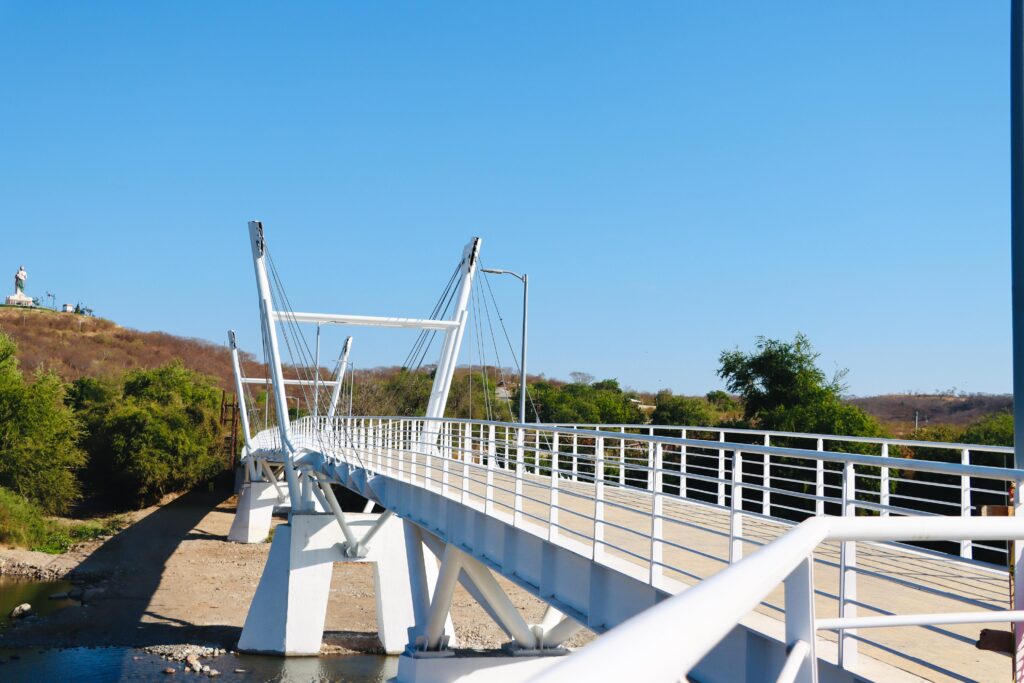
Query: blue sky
point(677, 178)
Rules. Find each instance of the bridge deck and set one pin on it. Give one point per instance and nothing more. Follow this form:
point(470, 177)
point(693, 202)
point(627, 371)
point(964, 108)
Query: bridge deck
point(891, 577)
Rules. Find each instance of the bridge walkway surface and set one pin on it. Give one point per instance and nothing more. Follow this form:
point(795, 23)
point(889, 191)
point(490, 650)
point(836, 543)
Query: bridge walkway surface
point(892, 578)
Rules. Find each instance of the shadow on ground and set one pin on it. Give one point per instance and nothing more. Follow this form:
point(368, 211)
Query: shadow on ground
point(129, 567)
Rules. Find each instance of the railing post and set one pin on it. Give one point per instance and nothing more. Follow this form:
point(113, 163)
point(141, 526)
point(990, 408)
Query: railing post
point(799, 594)
point(467, 456)
point(622, 458)
point(683, 451)
point(598, 549)
point(966, 545)
point(819, 481)
point(418, 447)
point(721, 470)
point(489, 490)
point(427, 441)
point(657, 531)
point(517, 503)
point(445, 452)
point(766, 481)
point(395, 464)
point(575, 456)
point(848, 574)
point(537, 452)
point(553, 508)
point(736, 510)
point(883, 492)
point(650, 460)
point(379, 445)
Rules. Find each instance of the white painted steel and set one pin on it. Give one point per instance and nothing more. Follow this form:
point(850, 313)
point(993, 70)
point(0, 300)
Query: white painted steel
point(802, 662)
point(364, 320)
point(239, 393)
point(934, 619)
point(258, 248)
point(673, 636)
point(292, 382)
point(515, 451)
point(339, 378)
point(795, 663)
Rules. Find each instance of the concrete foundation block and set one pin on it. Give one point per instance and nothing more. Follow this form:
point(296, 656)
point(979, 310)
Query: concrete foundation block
point(468, 668)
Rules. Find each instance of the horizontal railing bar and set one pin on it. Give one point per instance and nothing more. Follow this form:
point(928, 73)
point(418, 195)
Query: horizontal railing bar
point(945, 445)
point(931, 466)
point(292, 382)
point(886, 621)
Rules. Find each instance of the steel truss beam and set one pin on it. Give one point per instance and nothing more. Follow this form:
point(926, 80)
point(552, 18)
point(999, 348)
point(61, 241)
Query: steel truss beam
point(480, 582)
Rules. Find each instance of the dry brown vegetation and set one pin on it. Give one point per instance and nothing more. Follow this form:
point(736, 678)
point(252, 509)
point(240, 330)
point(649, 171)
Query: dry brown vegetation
point(76, 346)
point(897, 410)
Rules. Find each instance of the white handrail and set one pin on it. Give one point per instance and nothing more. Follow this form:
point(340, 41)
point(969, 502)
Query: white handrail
point(510, 470)
point(673, 636)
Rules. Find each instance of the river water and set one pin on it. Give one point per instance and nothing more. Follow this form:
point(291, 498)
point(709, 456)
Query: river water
point(108, 664)
point(13, 592)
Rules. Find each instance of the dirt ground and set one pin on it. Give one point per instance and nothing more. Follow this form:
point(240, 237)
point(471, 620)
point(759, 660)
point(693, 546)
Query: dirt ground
point(172, 577)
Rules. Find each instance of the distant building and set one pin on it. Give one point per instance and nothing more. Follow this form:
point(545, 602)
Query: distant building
point(501, 391)
point(641, 405)
point(67, 308)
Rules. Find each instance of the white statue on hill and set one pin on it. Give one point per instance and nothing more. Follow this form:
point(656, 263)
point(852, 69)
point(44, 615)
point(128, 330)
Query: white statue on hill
point(19, 280)
point(19, 298)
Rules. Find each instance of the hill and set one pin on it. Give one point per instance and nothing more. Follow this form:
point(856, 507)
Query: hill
point(75, 346)
point(898, 410)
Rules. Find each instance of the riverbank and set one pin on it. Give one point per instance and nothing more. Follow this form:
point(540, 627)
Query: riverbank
point(171, 577)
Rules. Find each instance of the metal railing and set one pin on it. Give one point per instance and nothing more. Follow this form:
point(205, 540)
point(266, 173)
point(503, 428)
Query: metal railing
point(671, 642)
point(675, 510)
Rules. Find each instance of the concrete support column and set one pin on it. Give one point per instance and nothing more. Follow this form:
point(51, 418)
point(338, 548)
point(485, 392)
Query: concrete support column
point(254, 512)
point(287, 613)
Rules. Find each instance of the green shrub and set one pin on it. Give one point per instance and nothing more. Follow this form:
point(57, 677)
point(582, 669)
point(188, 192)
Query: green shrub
point(992, 430)
point(157, 433)
point(585, 402)
point(682, 410)
point(38, 436)
point(23, 524)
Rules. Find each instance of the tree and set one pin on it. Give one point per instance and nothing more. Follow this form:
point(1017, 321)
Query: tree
point(585, 403)
point(581, 377)
point(783, 389)
point(158, 434)
point(721, 400)
point(681, 410)
point(991, 430)
point(38, 436)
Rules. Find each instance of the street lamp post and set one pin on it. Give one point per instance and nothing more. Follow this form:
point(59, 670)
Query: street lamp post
point(525, 279)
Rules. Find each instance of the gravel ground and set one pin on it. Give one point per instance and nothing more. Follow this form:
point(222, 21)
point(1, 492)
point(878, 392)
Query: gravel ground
point(172, 578)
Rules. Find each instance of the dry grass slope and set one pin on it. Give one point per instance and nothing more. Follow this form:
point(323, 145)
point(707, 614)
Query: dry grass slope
point(897, 410)
point(74, 346)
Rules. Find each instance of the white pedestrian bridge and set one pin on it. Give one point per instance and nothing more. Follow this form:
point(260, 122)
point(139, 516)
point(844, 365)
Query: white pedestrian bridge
point(713, 554)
